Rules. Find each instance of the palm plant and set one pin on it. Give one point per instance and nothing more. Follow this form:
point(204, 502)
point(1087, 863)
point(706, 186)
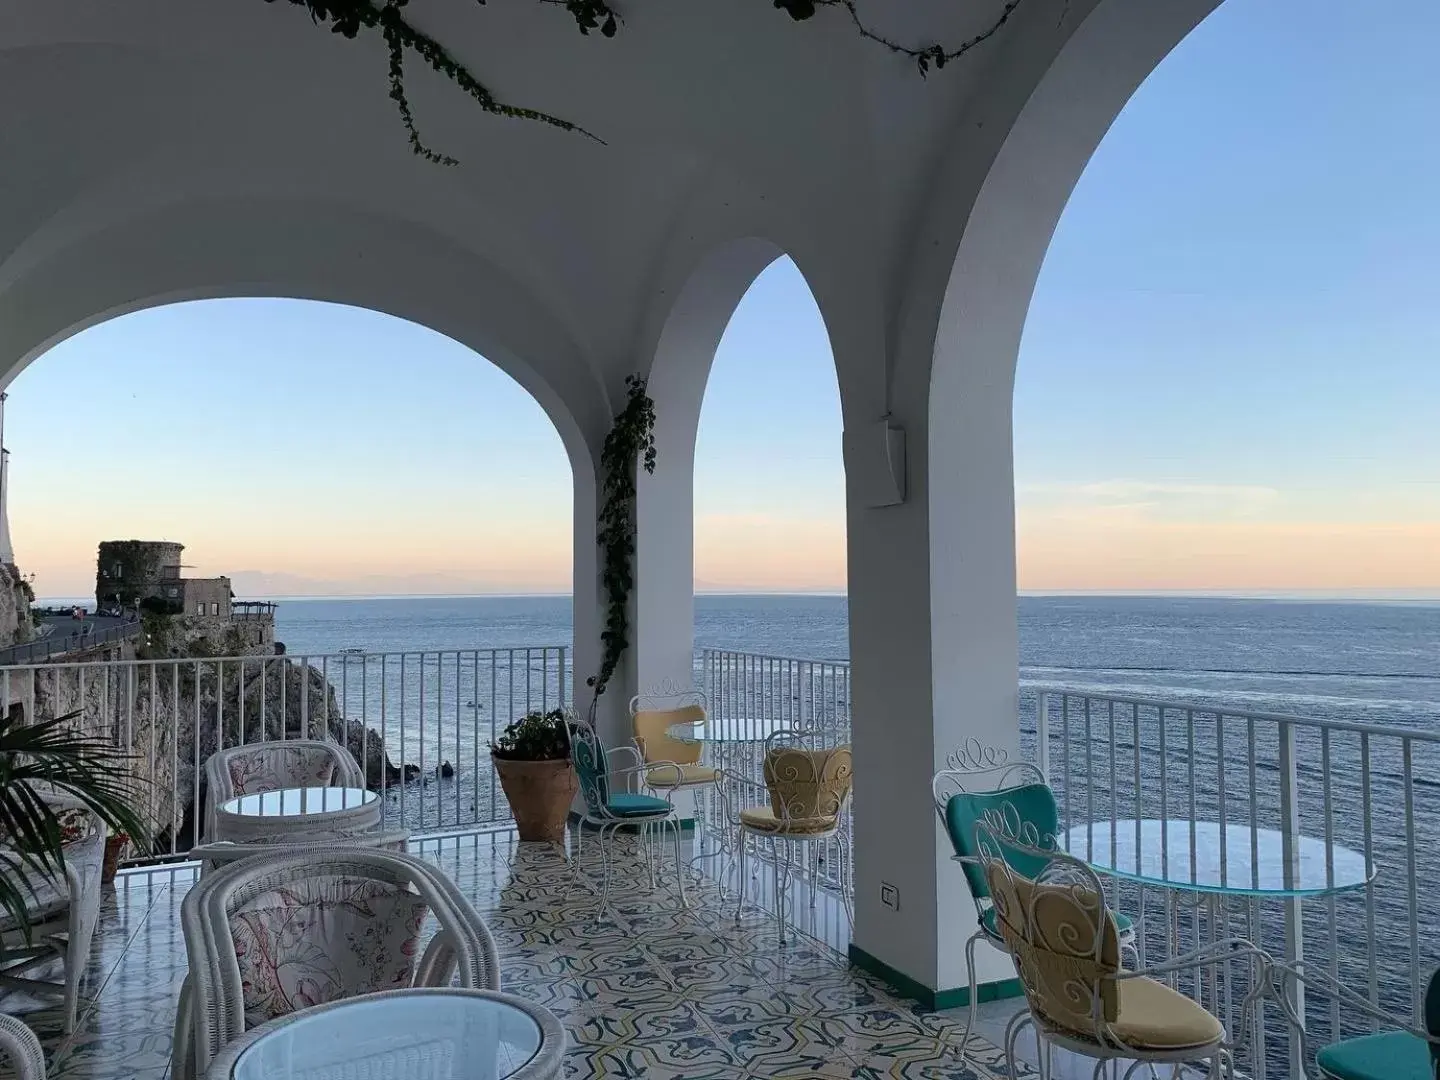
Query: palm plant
point(41, 760)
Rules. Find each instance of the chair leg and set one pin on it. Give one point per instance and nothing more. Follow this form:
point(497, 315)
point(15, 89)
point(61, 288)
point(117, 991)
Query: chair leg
point(607, 834)
point(679, 863)
point(847, 886)
point(974, 995)
point(739, 868)
point(1012, 1036)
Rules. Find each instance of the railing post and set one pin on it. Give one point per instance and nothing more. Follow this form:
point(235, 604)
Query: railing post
point(1042, 733)
point(1290, 853)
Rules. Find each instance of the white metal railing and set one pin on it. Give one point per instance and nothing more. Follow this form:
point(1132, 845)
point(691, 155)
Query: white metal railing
point(1374, 789)
point(1370, 788)
point(419, 722)
point(755, 695)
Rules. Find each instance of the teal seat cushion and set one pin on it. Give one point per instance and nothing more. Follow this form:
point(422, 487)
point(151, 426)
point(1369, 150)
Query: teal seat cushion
point(1392, 1055)
point(1123, 923)
point(637, 806)
point(1029, 807)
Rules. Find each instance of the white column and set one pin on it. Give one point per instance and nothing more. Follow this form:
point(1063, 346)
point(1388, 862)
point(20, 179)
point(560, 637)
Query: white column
point(935, 663)
point(688, 331)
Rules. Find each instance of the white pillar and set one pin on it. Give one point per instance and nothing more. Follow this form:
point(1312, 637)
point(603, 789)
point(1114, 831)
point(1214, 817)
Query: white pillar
point(688, 332)
point(934, 663)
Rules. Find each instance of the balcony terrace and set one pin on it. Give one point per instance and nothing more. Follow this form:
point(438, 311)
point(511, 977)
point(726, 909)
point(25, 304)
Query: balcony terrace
point(660, 992)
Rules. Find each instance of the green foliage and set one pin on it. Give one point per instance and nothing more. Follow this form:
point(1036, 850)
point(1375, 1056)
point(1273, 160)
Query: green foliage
point(41, 760)
point(631, 442)
point(536, 736)
point(349, 17)
point(385, 17)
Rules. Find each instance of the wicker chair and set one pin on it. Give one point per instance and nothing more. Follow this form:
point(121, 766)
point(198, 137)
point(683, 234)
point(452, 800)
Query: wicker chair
point(806, 793)
point(222, 853)
point(63, 917)
point(21, 1049)
point(269, 766)
point(269, 935)
point(1066, 947)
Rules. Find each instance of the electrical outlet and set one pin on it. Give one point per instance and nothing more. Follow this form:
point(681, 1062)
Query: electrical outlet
point(890, 896)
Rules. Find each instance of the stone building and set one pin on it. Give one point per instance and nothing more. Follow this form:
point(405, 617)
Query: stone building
point(147, 575)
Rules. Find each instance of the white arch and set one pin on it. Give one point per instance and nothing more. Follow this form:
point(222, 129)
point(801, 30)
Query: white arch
point(240, 248)
point(934, 632)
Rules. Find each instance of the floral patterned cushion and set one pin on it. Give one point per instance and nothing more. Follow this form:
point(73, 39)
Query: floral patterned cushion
point(324, 938)
point(270, 768)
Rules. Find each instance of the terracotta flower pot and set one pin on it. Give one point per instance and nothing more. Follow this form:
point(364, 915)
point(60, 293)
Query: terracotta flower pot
point(114, 847)
point(540, 795)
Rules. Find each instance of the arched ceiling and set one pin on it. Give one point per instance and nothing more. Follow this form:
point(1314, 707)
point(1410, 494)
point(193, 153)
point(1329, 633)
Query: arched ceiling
point(169, 125)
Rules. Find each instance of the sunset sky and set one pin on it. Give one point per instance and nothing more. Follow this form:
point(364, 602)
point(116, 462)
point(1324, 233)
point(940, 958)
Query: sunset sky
point(1229, 381)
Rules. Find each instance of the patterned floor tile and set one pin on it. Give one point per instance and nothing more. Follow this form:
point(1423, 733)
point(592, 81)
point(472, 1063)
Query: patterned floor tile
point(652, 990)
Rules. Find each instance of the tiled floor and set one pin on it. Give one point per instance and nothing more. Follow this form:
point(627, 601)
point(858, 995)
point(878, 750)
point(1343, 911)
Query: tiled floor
point(655, 992)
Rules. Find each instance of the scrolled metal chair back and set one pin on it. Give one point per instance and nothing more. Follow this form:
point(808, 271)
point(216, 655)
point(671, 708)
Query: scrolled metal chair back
point(587, 754)
point(806, 781)
point(1064, 940)
point(668, 694)
point(975, 768)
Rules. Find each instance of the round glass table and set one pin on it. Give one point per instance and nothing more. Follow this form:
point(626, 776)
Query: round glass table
point(728, 729)
point(1199, 856)
point(440, 1033)
point(297, 809)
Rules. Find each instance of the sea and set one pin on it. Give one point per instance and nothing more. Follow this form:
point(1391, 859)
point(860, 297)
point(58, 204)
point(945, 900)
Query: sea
point(1375, 662)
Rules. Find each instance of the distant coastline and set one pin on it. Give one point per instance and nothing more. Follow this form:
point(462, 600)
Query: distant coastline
point(1419, 596)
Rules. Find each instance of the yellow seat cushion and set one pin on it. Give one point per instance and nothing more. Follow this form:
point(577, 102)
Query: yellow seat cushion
point(1151, 1016)
point(763, 819)
point(663, 776)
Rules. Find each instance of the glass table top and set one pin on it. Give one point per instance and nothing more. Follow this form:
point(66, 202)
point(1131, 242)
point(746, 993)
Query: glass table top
point(297, 801)
point(434, 1033)
point(1182, 854)
point(740, 729)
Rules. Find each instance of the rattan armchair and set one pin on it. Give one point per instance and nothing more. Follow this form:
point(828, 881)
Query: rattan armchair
point(223, 852)
point(269, 935)
point(64, 912)
point(20, 1049)
point(269, 766)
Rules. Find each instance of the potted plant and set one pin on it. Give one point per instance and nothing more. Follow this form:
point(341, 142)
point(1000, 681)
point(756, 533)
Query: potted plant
point(39, 762)
point(532, 757)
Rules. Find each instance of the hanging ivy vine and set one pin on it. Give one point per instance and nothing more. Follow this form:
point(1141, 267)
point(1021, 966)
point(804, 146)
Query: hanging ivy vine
point(386, 18)
point(629, 446)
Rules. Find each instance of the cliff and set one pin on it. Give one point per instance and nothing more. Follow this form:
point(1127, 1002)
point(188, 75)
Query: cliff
point(173, 716)
point(16, 597)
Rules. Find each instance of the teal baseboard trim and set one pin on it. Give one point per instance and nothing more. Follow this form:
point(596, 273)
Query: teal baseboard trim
point(933, 1000)
point(687, 825)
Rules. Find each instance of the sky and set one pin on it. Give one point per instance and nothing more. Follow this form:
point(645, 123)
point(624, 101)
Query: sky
point(1228, 380)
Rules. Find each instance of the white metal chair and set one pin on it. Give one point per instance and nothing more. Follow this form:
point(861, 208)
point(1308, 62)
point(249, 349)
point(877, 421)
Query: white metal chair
point(270, 766)
point(652, 714)
point(269, 935)
point(63, 916)
point(609, 810)
point(803, 802)
point(1066, 947)
point(979, 781)
point(1404, 1051)
point(20, 1047)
